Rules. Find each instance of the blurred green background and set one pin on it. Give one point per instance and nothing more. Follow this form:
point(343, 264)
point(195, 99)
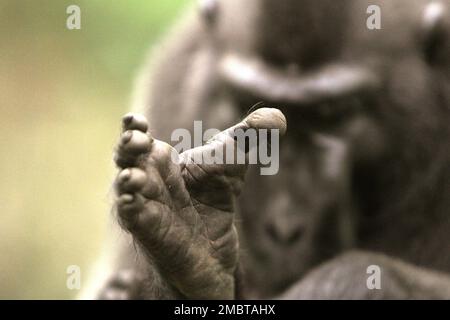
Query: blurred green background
point(62, 94)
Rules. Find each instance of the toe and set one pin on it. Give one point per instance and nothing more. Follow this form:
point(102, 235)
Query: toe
point(132, 145)
point(135, 142)
point(130, 180)
point(134, 121)
point(128, 208)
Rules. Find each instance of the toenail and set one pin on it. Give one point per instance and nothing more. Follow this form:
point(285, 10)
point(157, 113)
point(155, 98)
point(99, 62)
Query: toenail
point(127, 119)
point(139, 123)
point(126, 137)
point(125, 175)
point(127, 198)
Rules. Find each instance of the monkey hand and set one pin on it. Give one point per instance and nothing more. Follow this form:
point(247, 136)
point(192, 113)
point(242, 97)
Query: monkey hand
point(180, 209)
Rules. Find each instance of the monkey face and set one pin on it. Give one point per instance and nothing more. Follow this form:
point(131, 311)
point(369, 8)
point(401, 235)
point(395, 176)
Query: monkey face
point(307, 213)
point(344, 165)
point(363, 115)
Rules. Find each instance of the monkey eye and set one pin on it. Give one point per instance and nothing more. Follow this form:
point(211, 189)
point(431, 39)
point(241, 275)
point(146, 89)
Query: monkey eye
point(332, 112)
point(327, 116)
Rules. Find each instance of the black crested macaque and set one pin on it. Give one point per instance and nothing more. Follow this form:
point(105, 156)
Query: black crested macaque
point(364, 173)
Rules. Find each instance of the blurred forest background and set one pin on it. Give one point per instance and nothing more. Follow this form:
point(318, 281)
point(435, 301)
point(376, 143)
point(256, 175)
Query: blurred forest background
point(62, 95)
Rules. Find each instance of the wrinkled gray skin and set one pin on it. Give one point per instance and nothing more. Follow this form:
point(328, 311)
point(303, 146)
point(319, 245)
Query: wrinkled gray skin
point(364, 166)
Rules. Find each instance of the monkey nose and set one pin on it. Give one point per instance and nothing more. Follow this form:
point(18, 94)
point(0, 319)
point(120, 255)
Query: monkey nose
point(285, 232)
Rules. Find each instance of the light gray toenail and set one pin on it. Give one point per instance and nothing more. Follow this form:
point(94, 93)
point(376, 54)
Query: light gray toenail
point(127, 198)
point(126, 137)
point(125, 175)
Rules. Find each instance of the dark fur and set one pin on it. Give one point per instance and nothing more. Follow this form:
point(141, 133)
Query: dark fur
point(392, 196)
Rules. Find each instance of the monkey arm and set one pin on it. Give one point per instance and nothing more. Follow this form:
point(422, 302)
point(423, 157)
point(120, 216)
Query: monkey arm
point(347, 277)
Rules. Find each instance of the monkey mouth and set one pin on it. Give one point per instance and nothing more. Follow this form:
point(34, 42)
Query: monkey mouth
point(262, 80)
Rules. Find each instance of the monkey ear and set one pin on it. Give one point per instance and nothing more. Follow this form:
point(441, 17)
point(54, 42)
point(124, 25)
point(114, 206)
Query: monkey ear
point(435, 33)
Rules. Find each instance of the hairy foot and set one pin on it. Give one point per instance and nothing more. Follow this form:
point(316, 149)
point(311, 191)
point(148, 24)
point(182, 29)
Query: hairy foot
point(181, 211)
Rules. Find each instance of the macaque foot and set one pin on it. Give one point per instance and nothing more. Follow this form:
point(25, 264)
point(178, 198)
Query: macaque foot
point(180, 210)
